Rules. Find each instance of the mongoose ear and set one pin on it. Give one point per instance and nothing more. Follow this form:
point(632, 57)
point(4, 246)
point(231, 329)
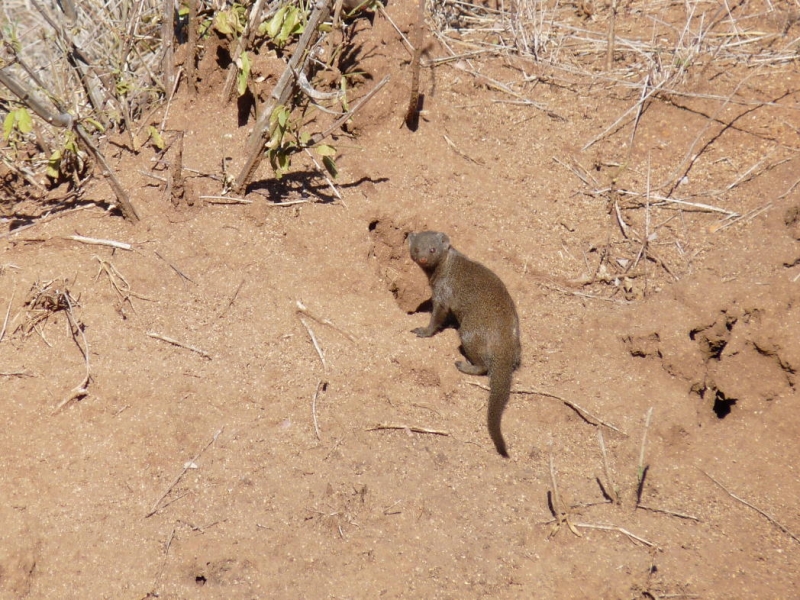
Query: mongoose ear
point(444, 240)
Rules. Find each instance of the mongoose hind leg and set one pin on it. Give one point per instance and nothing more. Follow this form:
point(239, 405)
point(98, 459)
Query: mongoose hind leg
point(470, 369)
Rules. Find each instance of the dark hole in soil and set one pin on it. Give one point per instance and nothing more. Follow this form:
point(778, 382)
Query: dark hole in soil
point(722, 405)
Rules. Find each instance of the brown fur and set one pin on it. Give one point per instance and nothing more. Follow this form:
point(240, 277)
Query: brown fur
point(485, 315)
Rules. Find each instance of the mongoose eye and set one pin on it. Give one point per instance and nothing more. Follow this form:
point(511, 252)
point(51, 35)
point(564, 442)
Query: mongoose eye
point(432, 250)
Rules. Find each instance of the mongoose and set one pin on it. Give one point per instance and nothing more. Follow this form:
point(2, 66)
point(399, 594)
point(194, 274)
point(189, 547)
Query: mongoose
point(485, 317)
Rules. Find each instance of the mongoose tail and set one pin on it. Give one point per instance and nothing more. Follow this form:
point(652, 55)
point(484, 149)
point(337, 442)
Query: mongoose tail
point(500, 376)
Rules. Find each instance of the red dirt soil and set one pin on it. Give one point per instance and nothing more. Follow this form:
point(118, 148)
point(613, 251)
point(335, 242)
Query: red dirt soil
point(257, 471)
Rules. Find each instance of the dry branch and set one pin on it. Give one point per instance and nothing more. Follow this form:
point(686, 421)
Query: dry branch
point(412, 113)
point(118, 282)
point(128, 211)
point(655, 199)
point(34, 103)
point(225, 200)
point(65, 120)
point(167, 36)
point(180, 273)
point(191, 52)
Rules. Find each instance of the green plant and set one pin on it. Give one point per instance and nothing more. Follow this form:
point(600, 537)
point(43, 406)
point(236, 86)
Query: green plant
point(67, 160)
point(281, 146)
point(156, 138)
point(285, 24)
point(17, 125)
point(231, 22)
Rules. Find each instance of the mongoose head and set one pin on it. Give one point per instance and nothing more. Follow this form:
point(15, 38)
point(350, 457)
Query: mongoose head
point(428, 247)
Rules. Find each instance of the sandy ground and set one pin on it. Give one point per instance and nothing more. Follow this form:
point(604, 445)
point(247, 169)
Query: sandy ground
point(253, 470)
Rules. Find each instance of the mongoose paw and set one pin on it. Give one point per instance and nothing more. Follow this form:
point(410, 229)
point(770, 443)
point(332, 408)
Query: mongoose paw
point(422, 332)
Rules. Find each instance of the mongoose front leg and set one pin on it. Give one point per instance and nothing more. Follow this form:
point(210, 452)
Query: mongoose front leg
point(438, 317)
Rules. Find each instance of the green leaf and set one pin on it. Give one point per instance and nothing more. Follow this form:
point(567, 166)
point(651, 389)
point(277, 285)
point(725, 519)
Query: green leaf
point(325, 150)
point(274, 24)
point(305, 137)
point(8, 124)
point(158, 141)
point(24, 121)
point(222, 23)
point(54, 165)
point(205, 26)
point(330, 165)
point(284, 161)
point(244, 73)
point(291, 22)
point(276, 115)
point(96, 124)
point(71, 144)
point(283, 117)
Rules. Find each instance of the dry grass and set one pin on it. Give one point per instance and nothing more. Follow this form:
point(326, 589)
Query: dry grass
point(640, 54)
point(643, 52)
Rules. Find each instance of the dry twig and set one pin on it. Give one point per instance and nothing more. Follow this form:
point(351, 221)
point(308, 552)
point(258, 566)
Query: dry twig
point(225, 200)
point(582, 412)
point(625, 532)
point(316, 344)
point(76, 329)
point(8, 311)
point(672, 513)
point(321, 385)
point(303, 309)
point(411, 428)
point(174, 342)
point(23, 373)
point(97, 242)
point(613, 492)
point(189, 465)
point(769, 518)
point(118, 282)
point(560, 511)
